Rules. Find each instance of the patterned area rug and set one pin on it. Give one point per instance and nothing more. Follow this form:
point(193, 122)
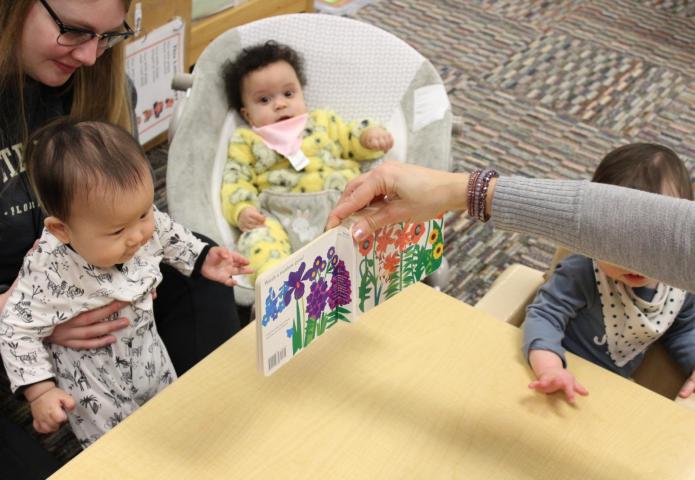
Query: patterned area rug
point(544, 89)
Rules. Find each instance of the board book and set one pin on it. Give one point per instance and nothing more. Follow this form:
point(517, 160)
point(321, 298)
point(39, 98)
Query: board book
point(333, 279)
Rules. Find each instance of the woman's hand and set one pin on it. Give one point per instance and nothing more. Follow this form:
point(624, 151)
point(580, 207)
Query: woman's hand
point(221, 264)
point(398, 192)
point(89, 329)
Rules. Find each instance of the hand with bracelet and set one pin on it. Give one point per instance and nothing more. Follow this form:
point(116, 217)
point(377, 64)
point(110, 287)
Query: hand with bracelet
point(648, 233)
point(399, 192)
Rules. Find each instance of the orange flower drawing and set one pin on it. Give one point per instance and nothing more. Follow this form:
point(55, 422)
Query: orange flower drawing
point(391, 262)
point(365, 246)
point(416, 231)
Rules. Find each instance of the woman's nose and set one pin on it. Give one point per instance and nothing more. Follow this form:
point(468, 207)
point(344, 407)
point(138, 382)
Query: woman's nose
point(87, 53)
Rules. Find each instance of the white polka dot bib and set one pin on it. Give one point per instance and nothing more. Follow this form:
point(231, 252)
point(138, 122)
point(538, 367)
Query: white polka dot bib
point(632, 324)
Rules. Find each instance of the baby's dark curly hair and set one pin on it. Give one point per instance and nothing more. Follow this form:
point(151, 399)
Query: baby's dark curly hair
point(254, 58)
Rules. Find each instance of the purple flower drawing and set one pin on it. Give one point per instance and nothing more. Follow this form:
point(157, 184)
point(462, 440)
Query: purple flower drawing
point(340, 291)
point(294, 285)
point(316, 301)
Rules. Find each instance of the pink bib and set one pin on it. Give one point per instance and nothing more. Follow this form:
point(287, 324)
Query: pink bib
point(284, 137)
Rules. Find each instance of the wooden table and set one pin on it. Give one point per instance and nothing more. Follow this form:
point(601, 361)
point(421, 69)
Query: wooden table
point(423, 386)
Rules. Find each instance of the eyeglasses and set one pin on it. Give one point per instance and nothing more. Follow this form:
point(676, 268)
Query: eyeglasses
point(71, 36)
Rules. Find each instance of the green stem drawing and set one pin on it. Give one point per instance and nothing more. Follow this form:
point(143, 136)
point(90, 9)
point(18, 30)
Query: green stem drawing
point(377, 290)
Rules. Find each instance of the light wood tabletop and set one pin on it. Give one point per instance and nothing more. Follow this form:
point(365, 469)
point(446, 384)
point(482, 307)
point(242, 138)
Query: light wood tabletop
point(422, 386)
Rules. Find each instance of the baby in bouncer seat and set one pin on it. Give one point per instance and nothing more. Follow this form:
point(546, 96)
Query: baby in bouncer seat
point(284, 173)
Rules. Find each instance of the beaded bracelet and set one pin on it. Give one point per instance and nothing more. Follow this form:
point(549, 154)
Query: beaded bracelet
point(478, 184)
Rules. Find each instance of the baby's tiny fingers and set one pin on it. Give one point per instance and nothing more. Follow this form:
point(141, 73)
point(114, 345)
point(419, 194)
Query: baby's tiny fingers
point(58, 416)
point(687, 389)
point(39, 427)
point(569, 393)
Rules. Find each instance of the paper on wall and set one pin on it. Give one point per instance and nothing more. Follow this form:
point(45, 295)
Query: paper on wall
point(151, 63)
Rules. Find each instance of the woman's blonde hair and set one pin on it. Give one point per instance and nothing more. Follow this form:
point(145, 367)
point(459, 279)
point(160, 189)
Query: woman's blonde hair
point(99, 91)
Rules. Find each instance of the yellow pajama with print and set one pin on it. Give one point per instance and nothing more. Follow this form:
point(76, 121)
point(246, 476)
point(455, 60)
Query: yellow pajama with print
point(333, 149)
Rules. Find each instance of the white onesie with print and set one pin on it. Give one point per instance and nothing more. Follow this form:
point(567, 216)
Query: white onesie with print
point(54, 285)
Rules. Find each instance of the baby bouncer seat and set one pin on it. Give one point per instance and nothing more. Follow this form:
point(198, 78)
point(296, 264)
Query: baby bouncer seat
point(351, 67)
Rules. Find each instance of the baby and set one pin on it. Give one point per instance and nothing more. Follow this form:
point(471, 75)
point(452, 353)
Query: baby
point(286, 149)
point(103, 241)
point(606, 313)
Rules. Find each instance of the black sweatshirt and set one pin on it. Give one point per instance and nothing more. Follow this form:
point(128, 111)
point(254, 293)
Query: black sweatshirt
point(21, 219)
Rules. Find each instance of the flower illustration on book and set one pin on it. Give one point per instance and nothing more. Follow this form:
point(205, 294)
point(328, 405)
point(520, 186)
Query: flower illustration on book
point(365, 246)
point(316, 301)
point(391, 262)
point(432, 237)
point(315, 270)
point(295, 285)
point(328, 284)
point(383, 240)
point(340, 291)
point(438, 250)
point(403, 239)
point(416, 231)
point(271, 307)
point(274, 305)
point(404, 254)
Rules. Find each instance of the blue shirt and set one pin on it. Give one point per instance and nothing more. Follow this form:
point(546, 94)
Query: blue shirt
point(566, 315)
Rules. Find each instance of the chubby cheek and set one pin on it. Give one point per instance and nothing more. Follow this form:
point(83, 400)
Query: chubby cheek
point(150, 233)
point(108, 254)
point(149, 225)
point(300, 107)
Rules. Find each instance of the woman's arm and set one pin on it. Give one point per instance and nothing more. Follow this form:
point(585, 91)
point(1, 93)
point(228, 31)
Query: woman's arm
point(651, 234)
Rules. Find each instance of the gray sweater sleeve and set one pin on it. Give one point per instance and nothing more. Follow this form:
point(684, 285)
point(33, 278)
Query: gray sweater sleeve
point(651, 234)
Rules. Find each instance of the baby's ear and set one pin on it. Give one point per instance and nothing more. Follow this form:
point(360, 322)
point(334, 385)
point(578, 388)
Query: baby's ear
point(58, 228)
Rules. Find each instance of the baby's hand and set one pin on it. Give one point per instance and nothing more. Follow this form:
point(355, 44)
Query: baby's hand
point(688, 387)
point(376, 138)
point(221, 264)
point(49, 409)
point(556, 379)
point(250, 218)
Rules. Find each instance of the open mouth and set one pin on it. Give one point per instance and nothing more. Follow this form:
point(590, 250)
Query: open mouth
point(284, 117)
